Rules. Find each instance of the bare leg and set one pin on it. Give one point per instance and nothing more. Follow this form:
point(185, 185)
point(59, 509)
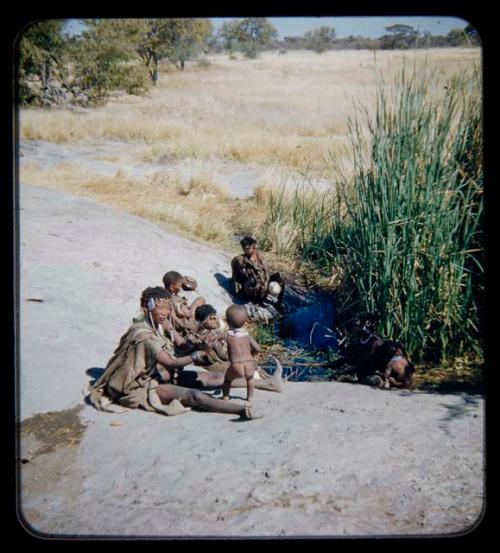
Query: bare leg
point(197, 399)
point(225, 389)
point(231, 374)
point(273, 384)
point(196, 303)
point(250, 387)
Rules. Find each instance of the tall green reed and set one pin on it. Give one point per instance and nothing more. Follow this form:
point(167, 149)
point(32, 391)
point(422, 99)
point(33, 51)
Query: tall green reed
point(405, 232)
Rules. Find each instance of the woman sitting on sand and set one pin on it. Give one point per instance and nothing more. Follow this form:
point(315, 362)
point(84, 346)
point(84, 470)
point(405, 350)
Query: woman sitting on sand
point(144, 373)
point(251, 277)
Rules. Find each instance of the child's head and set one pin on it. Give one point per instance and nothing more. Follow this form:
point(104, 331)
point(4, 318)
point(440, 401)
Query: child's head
point(236, 316)
point(173, 281)
point(156, 301)
point(207, 316)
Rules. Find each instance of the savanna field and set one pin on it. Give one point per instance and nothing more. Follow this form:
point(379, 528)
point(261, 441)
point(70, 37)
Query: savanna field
point(336, 118)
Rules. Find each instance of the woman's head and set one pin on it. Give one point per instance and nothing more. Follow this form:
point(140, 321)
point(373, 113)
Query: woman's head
point(156, 302)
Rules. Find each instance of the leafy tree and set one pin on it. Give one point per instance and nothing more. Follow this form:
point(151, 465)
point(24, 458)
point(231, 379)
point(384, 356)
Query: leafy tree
point(177, 40)
point(320, 39)
point(41, 50)
point(400, 36)
point(148, 37)
point(228, 35)
point(249, 35)
point(456, 37)
point(100, 58)
point(254, 33)
point(473, 36)
point(185, 38)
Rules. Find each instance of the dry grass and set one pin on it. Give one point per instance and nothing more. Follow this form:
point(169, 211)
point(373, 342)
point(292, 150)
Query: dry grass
point(284, 113)
point(195, 206)
point(289, 110)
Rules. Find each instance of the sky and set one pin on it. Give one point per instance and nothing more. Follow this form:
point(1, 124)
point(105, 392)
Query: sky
point(368, 27)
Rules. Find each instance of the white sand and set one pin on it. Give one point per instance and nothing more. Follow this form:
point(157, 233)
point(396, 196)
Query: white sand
point(328, 459)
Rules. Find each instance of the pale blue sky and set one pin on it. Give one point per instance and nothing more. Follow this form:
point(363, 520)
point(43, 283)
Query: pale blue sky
point(371, 27)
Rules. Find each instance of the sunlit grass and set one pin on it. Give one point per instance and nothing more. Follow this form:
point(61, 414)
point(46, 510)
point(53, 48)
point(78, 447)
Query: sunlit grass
point(290, 110)
point(404, 234)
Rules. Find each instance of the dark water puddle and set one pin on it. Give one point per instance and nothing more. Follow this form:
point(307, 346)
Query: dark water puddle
point(310, 325)
point(307, 340)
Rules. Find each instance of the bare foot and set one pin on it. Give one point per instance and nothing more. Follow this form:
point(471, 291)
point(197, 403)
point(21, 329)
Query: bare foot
point(175, 407)
point(261, 373)
point(225, 398)
point(277, 378)
point(252, 413)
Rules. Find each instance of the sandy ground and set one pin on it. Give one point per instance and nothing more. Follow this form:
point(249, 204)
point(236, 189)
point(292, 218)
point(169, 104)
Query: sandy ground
point(328, 459)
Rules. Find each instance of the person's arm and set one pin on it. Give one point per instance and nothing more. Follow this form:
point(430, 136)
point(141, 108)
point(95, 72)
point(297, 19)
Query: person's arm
point(263, 266)
point(175, 362)
point(220, 350)
point(254, 345)
point(189, 283)
point(405, 383)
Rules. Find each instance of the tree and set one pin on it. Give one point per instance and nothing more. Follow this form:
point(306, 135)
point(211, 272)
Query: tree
point(456, 37)
point(100, 57)
point(473, 36)
point(149, 39)
point(228, 35)
point(177, 40)
point(400, 36)
point(41, 59)
point(250, 34)
point(185, 38)
point(254, 33)
point(320, 39)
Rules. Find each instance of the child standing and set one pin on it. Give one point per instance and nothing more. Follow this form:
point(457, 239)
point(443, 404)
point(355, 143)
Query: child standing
point(239, 347)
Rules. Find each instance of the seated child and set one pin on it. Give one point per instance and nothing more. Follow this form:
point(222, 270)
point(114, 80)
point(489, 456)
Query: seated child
point(211, 332)
point(182, 316)
point(399, 369)
point(239, 347)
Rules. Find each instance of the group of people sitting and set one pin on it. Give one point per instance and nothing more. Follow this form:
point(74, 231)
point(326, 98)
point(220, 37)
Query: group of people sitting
point(148, 368)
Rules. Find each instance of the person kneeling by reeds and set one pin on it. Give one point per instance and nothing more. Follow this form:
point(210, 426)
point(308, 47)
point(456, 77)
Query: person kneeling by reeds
point(374, 361)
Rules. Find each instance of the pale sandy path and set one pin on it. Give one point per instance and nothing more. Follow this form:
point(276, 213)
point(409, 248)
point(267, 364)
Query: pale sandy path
point(328, 458)
point(108, 157)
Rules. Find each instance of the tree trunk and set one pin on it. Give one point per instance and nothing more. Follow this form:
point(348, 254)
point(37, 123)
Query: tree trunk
point(43, 75)
point(154, 72)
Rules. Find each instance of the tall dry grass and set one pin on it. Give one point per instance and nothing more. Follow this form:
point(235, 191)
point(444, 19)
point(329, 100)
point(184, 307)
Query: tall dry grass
point(195, 206)
point(289, 110)
point(405, 232)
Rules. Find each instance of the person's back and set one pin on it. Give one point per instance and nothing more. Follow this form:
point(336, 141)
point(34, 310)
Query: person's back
point(239, 347)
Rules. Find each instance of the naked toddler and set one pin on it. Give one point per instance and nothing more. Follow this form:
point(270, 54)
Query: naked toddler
point(239, 348)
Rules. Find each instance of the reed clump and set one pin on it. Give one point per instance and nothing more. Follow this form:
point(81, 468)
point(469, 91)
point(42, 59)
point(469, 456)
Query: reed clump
point(404, 231)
